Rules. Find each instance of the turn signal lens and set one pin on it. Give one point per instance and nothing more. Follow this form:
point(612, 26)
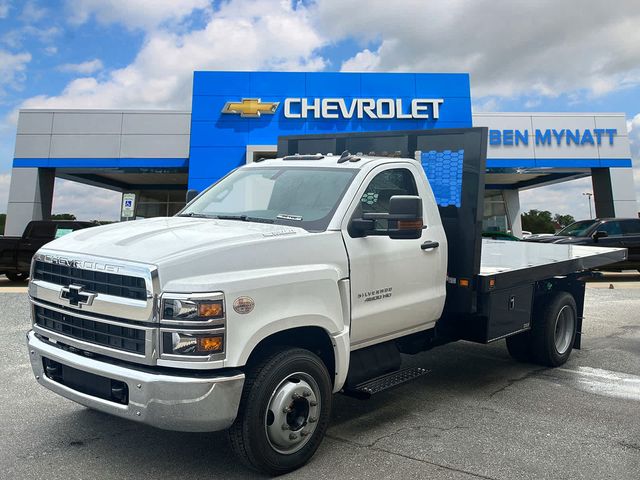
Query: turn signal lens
point(210, 344)
point(210, 309)
point(410, 224)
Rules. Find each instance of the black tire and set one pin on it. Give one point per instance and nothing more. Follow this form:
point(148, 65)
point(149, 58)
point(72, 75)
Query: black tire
point(17, 276)
point(519, 347)
point(558, 310)
point(249, 435)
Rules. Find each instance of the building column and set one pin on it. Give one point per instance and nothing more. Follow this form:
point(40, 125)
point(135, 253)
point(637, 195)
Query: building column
point(614, 193)
point(512, 205)
point(30, 198)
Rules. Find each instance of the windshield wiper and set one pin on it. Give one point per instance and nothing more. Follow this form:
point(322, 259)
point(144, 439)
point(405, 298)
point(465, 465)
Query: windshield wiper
point(195, 215)
point(244, 218)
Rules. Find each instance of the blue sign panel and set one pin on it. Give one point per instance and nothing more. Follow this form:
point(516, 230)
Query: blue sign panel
point(232, 110)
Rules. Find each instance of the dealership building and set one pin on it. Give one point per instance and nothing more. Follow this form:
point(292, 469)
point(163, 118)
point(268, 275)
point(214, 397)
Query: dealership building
point(237, 117)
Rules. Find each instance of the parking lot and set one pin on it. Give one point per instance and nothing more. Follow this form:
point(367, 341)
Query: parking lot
point(477, 415)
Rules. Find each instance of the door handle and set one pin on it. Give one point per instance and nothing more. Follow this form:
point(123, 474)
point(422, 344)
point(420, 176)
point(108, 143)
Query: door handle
point(429, 244)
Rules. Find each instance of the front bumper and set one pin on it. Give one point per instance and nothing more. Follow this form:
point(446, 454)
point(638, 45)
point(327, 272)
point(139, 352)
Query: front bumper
point(172, 402)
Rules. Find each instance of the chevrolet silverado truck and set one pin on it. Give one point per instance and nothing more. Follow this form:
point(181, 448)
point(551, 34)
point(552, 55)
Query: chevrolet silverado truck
point(294, 279)
point(16, 252)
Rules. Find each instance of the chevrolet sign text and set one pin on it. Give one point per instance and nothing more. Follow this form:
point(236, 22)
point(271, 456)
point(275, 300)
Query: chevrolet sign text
point(383, 108)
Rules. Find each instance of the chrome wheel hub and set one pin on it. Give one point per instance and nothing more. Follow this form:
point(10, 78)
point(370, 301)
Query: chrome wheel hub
point(292, 413)
point(565, 325)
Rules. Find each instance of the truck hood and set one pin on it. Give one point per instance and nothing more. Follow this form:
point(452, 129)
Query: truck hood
point(162, 240)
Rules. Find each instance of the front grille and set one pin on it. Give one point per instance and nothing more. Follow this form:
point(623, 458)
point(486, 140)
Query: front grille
point(97, 282)
point(113, 336)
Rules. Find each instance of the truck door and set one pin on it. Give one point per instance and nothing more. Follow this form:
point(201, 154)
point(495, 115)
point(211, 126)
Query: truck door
point(396, 286)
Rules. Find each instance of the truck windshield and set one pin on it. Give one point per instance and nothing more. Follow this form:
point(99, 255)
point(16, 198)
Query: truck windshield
point(577, 229)
point(297, 196)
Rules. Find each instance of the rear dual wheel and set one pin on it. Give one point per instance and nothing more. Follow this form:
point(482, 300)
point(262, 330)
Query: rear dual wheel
point(284, 411)
point(552, 334)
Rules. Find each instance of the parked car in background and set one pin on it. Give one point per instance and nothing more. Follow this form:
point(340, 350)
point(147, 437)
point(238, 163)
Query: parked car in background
point(500, 236)
point(16, 252)
point(602, 232)
point(526, 234)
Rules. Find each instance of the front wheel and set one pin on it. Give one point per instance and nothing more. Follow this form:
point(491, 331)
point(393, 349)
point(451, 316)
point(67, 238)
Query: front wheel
point(284, 411)
point(17, 276)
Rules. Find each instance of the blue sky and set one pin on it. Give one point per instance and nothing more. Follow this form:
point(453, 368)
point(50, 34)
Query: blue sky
point(522, 56)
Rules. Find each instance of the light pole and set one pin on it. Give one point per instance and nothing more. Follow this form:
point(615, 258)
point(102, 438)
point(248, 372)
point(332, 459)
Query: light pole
point(589, 194)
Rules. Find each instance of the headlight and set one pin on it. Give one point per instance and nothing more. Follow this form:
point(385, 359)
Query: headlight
point(193, 308)
point(192, 326)
point(181, 343)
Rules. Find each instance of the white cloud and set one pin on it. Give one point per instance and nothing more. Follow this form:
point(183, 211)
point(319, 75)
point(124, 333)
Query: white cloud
point(32, 12)
point(12, 69)
point(510, 47)
point(16, 38)
point(73, 197)
point(4, 8)
point(84, 68)
point(144, 14)
point(5, 180)
point(241, 35)
point(564, 199)
point(364, 61)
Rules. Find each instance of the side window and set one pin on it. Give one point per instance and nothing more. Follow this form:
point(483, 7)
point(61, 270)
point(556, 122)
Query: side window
point(612, 228)
point(631, 227)
point(376, 197)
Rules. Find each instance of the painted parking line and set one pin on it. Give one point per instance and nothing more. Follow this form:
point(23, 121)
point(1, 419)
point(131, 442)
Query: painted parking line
point(12, 289)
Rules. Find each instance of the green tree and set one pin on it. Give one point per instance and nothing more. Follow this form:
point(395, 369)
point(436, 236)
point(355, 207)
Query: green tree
point(538, 221)
point(563, 220)
point(63, 216)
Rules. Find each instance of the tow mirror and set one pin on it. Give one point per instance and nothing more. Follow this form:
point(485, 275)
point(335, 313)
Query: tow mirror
point(404, 220)
point(191, 194)
point(405, 214)
point(599, 234)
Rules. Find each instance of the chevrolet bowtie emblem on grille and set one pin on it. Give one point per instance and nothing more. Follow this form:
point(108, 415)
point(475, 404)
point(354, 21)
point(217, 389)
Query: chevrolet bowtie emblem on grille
point(251, 107)
point(76, 297)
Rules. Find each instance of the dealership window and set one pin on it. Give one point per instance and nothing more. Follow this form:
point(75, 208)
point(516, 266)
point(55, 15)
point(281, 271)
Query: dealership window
point(495, 213)
point(159, 203)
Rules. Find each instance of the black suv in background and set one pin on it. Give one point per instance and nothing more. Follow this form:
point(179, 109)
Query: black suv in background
point(603, 232)
point(16, 252)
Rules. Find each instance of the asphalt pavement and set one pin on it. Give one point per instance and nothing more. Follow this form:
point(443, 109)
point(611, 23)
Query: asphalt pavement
point(478, 414)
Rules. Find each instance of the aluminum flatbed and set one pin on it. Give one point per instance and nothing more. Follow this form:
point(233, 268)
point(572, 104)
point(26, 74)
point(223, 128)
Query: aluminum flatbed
point(507, 263)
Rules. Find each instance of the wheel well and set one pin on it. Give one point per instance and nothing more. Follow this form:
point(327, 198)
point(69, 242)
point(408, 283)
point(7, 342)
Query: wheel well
point(314, 339)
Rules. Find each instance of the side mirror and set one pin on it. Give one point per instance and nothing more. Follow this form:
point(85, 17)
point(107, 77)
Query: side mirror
point(405, 214)
point(404, 220)
point(599, 234)
point(191, 194)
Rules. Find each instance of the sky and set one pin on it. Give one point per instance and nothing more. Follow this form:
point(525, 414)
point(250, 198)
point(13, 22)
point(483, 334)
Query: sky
point(547, 55)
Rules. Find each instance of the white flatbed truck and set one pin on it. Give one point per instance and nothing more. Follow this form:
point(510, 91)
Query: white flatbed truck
point(291, 280)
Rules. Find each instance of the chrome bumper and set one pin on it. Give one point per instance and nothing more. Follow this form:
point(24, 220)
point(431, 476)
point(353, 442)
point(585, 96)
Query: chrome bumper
point(190, 404)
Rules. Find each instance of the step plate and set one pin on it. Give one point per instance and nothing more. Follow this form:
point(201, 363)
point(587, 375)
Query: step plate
point(385, 382)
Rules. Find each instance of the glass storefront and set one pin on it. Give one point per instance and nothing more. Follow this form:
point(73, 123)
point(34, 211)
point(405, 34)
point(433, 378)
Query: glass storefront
point(159, 203)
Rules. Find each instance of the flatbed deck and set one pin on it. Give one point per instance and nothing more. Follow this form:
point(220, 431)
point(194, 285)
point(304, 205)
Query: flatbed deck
point(508, 263)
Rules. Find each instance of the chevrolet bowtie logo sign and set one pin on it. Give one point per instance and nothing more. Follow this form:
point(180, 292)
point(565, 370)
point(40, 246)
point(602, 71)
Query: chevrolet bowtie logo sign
point(251, 107)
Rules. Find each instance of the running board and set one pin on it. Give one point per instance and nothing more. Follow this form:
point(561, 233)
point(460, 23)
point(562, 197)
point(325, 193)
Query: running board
point(382, 383)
